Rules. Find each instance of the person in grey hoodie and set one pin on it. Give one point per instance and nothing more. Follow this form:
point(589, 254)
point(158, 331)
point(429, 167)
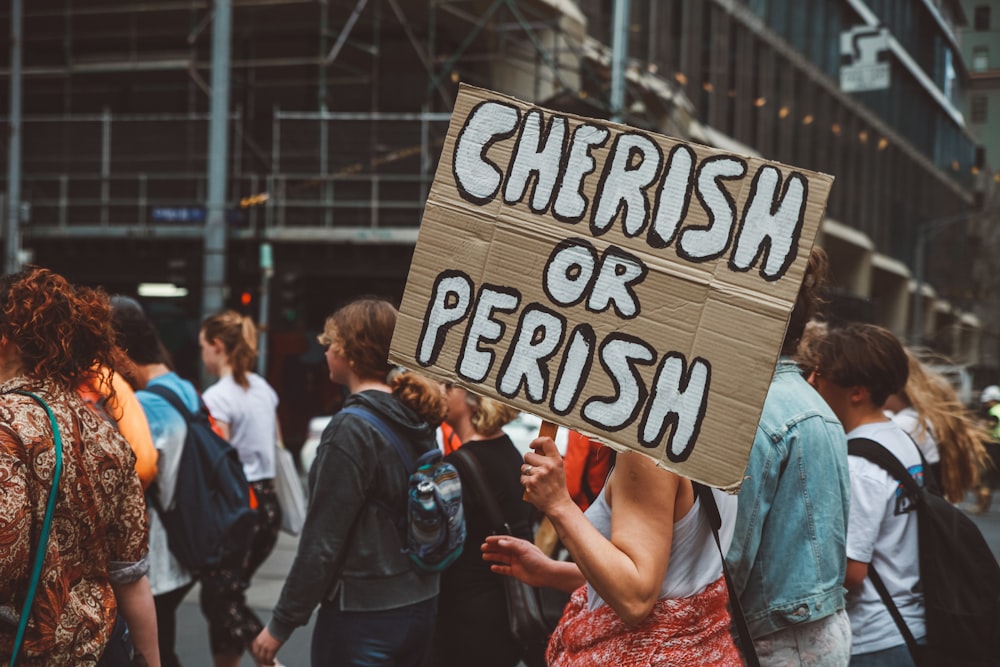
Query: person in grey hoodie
point(375, 606)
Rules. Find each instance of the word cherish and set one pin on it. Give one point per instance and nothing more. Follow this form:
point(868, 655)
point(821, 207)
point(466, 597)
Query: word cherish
point(648, 192)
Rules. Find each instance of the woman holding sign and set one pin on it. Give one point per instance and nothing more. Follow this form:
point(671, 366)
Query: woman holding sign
point(646, 577)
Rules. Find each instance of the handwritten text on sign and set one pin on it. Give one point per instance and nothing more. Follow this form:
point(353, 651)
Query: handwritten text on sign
point(550, 243)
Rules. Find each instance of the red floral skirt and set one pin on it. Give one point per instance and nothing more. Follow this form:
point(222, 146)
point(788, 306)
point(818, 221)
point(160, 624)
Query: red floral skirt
point(678, 632)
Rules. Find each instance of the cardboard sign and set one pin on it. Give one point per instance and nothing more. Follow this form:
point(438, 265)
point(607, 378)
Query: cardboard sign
point(627, 285)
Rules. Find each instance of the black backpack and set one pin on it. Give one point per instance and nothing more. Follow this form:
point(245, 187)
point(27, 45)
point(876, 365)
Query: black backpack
point(958, 573)
point(210, 522)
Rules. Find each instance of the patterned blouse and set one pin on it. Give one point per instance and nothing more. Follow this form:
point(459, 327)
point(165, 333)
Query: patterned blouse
point(99, 533)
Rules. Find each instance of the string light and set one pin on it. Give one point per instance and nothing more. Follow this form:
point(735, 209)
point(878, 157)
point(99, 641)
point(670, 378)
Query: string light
point(783, 113)
point(759, 102)
point(680, 78)
point(808, 119)
point(454, 76)
point(836, 129)
point(975, 170)
point(883, 143)
point(863, 136)
point(954, 165)
point(708, 87)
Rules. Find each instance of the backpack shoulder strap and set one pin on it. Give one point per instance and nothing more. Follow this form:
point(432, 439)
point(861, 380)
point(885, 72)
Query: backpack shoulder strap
point(704, 495)
point(882, 457)
point(390, 434)
point(43, 539)
point(484, 491)
point(173, 399)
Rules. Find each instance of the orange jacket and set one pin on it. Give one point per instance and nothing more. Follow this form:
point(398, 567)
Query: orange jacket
point(587, 464)
point(126, 410)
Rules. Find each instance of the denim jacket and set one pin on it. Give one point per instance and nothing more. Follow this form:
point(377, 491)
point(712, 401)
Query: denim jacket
point(788, 556)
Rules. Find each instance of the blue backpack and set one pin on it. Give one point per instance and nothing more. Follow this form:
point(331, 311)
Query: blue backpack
point(435, 522)
point(211, 521)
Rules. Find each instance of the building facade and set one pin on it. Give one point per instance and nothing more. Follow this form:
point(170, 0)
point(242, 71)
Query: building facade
point(339, 109)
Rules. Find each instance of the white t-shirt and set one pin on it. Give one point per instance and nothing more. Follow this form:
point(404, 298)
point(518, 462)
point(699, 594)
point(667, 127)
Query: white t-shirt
point(882, 531)
point(250, 414)
point(695, 561)
point(909, 421)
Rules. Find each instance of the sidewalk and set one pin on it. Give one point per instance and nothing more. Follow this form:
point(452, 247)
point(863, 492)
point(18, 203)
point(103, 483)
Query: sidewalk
point(192, 630)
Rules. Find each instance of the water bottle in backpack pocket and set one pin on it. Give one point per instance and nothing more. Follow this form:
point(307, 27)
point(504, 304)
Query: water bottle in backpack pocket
point(433, 531)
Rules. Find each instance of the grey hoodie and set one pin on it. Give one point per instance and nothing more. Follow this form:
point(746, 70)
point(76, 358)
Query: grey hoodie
point(350, 549)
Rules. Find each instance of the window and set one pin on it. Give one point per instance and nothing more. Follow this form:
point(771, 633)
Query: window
point(979, 109)
point(980, 59)
point(982, 18)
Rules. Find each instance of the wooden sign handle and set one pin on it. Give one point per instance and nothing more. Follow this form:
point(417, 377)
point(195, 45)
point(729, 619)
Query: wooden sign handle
point(546, 430)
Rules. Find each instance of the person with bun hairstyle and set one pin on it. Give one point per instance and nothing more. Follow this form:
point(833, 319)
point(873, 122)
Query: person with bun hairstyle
point(472, 615)
point(376, 607)
point(244, 406)
point(53, 337)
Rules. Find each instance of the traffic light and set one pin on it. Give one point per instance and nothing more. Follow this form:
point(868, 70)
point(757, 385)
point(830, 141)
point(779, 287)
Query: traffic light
point(291, 294)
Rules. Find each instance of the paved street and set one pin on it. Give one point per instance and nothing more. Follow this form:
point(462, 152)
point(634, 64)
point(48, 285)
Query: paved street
point(192, 631)
point(192, 634)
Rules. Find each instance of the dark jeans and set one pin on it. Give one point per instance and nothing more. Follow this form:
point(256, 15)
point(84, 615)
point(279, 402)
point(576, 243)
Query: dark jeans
point(119, 650)
point(166, 623)
point(391, 638)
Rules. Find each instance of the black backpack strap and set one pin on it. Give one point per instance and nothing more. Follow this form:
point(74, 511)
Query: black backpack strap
point(882, 457)
point(883, 592)
point(467, 461)
point(387, 431)
point(173, 399)
point(707, 500)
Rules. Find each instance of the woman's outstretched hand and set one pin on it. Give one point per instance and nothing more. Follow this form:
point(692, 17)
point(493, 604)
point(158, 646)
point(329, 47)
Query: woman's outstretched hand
point(517, 558)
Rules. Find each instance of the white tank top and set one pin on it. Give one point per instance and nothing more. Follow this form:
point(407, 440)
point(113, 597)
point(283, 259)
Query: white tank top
point(695, 562)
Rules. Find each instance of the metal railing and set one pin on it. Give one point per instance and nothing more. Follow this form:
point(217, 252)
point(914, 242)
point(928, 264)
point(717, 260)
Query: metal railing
point(328, 172)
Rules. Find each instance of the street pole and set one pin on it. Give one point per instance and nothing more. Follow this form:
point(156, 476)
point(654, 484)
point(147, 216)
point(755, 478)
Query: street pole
point(267, 271)
point(619, 57)
point(924, 232)
point(214, 276)
point(12, 228)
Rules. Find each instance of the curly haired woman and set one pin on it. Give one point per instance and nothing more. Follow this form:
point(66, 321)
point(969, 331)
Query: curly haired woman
point(93, 579)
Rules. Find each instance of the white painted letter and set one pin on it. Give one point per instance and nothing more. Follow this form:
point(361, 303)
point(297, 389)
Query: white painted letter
point(699, 244)
point(771, 226)
point(620, 272)
point(677, 403)
point(450, 300)
point(619, 355)
point(474, 362)
point(537, 153)
point(576, 362)
point(569, 272)
point(478, 179)
point(674, 196)
point(631, 168)
point(539, 334)
point(571, 204)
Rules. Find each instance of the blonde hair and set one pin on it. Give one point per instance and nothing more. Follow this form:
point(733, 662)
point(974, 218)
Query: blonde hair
point(959, 437)
point(488, 415)
point(238, 335)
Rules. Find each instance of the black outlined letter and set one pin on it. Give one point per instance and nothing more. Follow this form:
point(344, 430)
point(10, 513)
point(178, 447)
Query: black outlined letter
point(771, 226)
point(478, 179)
point(451, 297)
point(677, 403)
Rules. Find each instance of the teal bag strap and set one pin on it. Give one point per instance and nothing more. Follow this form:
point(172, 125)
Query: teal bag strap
point(43, 540)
